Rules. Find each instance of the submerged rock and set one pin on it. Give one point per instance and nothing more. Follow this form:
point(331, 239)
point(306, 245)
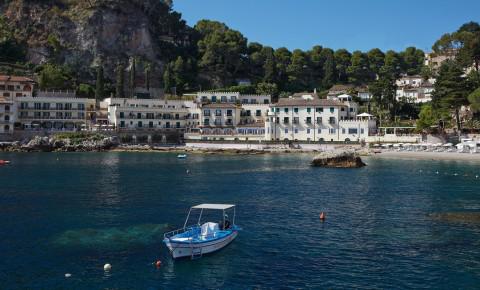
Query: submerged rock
point(457, 217)
point(338, 159)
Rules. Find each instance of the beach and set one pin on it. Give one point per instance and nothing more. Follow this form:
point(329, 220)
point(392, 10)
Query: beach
point(423, 155)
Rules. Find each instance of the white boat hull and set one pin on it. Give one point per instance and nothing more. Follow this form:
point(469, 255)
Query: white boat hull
point(179, 250)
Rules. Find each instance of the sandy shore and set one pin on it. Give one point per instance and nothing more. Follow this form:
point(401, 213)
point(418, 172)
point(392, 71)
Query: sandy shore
point(428, 155)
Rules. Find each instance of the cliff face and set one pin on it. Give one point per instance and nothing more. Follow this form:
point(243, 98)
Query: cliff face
point(81, 33)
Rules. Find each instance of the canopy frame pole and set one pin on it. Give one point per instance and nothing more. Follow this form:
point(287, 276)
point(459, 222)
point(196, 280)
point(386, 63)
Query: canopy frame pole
point(200, 217)
point(223, 226)
point(233, 222)
point(188, 216)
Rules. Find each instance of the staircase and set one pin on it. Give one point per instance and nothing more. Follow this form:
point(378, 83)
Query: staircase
point(196, 253)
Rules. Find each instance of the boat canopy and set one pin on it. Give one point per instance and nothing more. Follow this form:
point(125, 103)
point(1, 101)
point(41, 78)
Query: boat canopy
point(214, 206)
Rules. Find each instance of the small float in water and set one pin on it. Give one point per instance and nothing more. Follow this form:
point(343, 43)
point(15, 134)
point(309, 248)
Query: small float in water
point(182, 156)
point(199, 239)
point(4, 162)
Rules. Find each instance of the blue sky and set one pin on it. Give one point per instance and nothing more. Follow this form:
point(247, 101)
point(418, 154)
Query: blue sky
point(351, 24)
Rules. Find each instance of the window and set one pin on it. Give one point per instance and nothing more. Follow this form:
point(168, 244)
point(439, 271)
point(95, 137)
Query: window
point(7, 108)
point(229, 122)
point(319, 120)
point(140, 124)
point(265, 101)
point(59, 115)
point(177, 116)
point(46, 115)
point(139, 115)
point(295, 110)
point(332, 131)
point(331, 120)
point(122, 124)
point(286, 130)
point(150, 116)
point(37, 115)
point(352, 130)
point(206, 122)
point(214, 99)
point(150, 124)
point(68, 106)
point(248, 113)
point(218, 122)
point(362, 131)
point(59, 106)
point(229, 113)
point(295, 120)
point(223, 99)
point(204, 99)
point(206, 112)
point(46, 106)
point(253, 101)
point(285, 120)
point(233, 99)
point(23, 105)
point(332, 109)
point(81, 107)
point(277, 120)
point(122, 115)
point(352, 109)
point(296, 131)
point(309, 110)
point(343, 130)
point(167, 125)
point(309, 120)
point(7, 118)
point(177, 125)
point(342, 109)
point(68, 115)
point(285, 110)
point(308, 131)
point(81, 115)
point(258, 113)
point(277, 110)
point(319, 131)
point(244, 101)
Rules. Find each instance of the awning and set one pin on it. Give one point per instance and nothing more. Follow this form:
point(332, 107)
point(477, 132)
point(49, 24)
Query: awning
point(213, 206)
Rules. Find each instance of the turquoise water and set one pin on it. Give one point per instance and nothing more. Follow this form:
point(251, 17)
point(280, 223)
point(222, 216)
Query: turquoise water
point(72, 213)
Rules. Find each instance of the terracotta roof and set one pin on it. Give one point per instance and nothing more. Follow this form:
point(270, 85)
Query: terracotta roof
point(299, 95)
point(284, 102)
point(340, 88)
point(4, 78)
point(219, 105)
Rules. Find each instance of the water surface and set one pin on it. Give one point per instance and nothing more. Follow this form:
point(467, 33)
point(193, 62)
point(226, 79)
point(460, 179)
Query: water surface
point(74, 212)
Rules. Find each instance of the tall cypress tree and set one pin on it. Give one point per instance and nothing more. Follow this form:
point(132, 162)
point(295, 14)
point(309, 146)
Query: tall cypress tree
point(269, 66)
point(100, 84)
point(132, 77)
point(119, 92)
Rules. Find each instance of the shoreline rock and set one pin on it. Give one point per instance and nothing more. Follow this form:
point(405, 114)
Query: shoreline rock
point(338, 159)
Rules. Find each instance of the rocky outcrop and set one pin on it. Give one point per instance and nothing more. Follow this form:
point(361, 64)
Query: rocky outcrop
point(338, 159)
point(80, 34)
point(55, 144)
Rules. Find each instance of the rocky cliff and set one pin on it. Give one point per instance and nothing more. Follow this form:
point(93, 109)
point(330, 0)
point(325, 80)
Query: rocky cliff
point(82, 33)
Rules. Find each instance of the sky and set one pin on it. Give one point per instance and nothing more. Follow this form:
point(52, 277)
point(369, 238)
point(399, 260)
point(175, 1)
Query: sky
point(351, 24)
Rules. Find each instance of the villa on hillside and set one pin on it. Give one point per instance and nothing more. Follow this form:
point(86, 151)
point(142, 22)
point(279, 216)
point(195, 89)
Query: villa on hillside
point(414, 89)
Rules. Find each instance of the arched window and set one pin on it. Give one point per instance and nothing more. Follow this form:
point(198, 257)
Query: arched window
point(6, 128)
point(7, 118)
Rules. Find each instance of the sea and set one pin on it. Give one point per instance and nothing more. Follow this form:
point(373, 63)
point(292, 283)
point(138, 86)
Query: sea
point(394, 224)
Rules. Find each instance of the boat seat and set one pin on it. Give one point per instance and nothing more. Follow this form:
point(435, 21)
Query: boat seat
point(209, 230)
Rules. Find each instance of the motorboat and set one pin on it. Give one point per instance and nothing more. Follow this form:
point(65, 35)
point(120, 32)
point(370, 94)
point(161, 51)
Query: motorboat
point(202, 238)
point(182, 156)
point(4, 162)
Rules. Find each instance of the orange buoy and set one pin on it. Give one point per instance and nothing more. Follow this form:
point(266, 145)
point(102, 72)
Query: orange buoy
point(158, 264)
point(322, 216)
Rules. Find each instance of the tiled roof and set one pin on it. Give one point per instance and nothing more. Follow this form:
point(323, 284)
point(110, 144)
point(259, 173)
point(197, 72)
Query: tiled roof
point(4, 78)
point(219, 105)
point(284, 102)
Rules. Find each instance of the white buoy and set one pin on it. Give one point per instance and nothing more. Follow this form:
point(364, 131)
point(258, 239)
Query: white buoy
point(107, 267)
point(68, 275)
point(436, 172)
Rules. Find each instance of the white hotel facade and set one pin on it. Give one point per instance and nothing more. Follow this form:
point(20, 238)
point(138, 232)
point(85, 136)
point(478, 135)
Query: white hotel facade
point(309, 118)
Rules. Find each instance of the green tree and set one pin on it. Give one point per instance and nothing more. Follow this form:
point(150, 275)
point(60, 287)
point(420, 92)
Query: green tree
point(426, 118)
point(132, 78)
point(10, 49)
point(342, 61)
point(317, 61)
point(298, 71)
point(147, 73)
point(270, 65)
point(54, 77)
point(412, 60)
point(358, 71)
point(168, 81)
point(474, 100)
point(376, 60)
point(221, 51)
point(120, 81)
point(329, 72)
point(282, 57)
point(451, 90)
point(86, 91)
point(267, 89)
